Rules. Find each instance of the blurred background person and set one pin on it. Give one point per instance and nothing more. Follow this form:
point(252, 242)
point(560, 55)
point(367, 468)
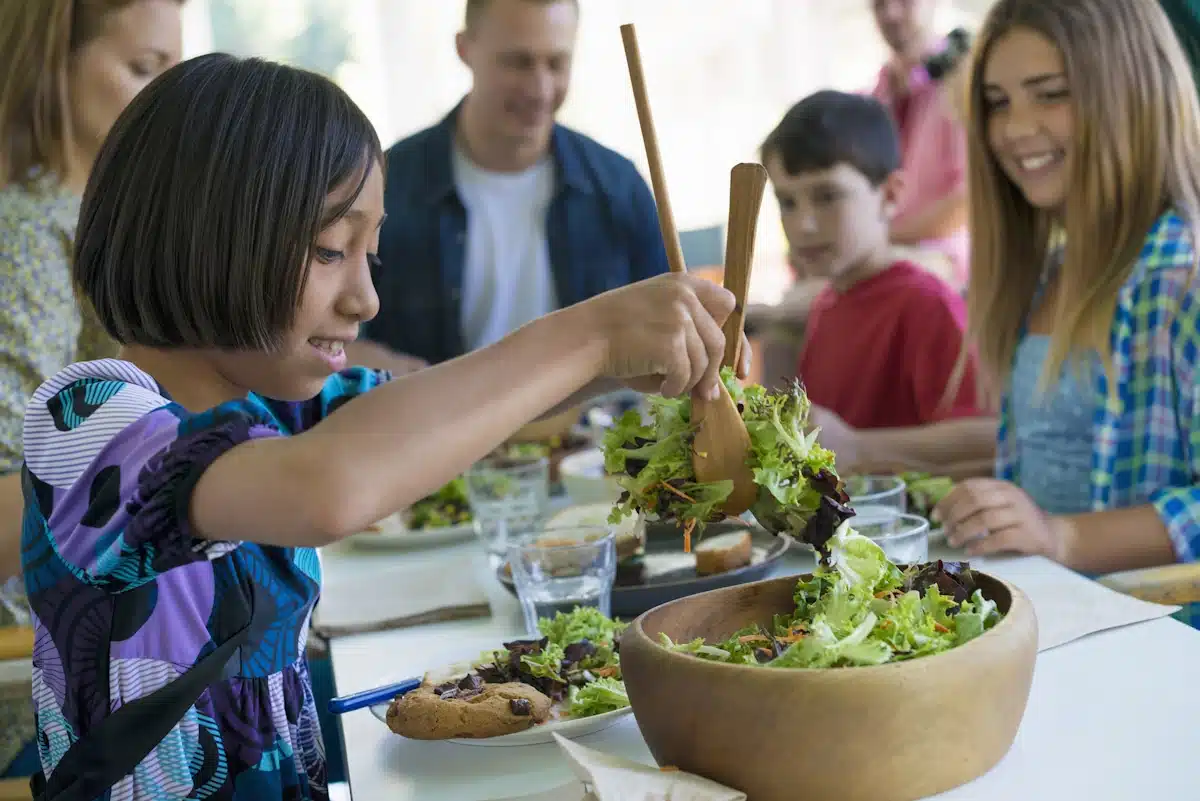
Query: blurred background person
point(498, 214)
point(932, 207)
point(67, 70)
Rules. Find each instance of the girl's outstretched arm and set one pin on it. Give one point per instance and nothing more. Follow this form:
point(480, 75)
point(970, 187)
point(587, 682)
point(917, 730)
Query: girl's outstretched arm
point(392, 446)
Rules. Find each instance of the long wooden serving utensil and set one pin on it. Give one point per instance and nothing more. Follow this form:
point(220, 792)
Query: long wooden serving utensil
point(727, 459)
point(722, 442)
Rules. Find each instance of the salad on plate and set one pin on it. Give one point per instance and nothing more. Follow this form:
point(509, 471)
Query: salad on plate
point(925, 491)
point(446, 507)
point(571, 672)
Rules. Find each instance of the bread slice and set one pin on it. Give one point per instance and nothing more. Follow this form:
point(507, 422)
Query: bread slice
point(723, 552)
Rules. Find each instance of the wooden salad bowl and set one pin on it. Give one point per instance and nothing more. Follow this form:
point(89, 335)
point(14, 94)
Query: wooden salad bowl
point(895, 732)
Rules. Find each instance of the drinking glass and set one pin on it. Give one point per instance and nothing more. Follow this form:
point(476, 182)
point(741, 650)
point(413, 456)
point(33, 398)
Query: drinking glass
point(509, 498)
point(869, 494)
point(903, 537)
point(563, 568)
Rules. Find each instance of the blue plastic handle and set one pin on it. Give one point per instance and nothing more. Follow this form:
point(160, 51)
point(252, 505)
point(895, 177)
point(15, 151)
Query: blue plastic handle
point(366, 698)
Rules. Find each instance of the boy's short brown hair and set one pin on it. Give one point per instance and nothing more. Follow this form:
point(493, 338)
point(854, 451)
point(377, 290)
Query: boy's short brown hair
point(207, 196)
point(828, 128)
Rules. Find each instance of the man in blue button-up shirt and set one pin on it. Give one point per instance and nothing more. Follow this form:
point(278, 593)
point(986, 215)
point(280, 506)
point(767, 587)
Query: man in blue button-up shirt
point(497, 214)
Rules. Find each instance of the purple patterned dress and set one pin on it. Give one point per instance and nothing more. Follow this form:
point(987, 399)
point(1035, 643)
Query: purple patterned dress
point(125, 599)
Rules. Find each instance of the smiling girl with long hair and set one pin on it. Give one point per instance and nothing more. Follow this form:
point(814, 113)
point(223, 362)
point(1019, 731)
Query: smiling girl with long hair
point(1084, 139)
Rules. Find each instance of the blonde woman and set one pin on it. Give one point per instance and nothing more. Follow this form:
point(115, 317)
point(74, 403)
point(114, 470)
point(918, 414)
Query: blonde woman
point(1084, 116)
point(67, 69)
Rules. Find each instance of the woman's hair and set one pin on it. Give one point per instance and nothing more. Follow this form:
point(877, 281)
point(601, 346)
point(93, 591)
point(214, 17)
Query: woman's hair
point(207, 197)
point(1135, 153)
point(37, 39)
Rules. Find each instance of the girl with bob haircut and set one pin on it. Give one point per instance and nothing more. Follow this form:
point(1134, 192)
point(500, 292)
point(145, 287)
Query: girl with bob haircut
point(1084, 141)
point(174, 496)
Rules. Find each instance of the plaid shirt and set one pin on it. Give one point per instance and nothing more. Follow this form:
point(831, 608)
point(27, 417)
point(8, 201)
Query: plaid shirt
point(1147, 432)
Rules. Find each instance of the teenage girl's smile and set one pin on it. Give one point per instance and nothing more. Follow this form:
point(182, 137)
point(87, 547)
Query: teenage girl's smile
point(1029, 115)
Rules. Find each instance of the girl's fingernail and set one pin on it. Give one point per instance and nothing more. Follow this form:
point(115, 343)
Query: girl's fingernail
point(714, 392)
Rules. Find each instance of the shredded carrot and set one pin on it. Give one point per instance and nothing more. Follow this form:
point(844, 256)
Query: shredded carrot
point(680, 493)
point(795, 636)
point(753, 638)
point(606, 672)
point(688, 525)
point(941, 628)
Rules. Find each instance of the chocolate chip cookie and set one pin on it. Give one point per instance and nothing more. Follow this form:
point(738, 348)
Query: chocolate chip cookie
point(467, 707)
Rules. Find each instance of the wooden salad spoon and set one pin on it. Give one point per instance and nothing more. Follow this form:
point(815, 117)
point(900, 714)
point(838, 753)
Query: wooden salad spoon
point(727, 446)
point(722, 442)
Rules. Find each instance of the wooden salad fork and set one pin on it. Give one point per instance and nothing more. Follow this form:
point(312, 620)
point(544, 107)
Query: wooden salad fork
point(726, 443)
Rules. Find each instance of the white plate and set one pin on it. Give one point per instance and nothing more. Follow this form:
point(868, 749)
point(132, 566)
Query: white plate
point(395, 535)
point(538, 735)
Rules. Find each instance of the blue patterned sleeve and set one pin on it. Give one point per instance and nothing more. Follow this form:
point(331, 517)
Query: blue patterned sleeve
point(107, 494)
point(1179, 506)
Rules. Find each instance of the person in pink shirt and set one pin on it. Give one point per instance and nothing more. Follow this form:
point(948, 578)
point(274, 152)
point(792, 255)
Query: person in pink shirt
point(931, 208)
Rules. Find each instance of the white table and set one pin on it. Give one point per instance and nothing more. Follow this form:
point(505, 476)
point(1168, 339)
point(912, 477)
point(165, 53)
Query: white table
point(1111, 716)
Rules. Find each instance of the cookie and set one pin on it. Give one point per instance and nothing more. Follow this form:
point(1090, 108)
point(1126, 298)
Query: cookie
point(467, 708)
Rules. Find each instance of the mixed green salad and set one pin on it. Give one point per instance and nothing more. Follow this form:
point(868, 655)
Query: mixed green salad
point(860, 609)
point(925, 491)
point(446, 507)
point(799, 490)
point(575, 662)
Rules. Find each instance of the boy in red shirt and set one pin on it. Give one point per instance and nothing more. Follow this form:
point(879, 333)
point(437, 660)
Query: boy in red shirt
point(883, 339)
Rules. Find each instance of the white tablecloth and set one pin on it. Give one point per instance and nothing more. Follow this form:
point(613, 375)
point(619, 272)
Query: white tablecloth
point(1111, 716)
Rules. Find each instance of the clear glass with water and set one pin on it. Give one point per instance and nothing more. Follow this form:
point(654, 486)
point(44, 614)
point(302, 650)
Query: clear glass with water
point(564, 568)
point(877, 494)
point(903, 537)
point(509, 499)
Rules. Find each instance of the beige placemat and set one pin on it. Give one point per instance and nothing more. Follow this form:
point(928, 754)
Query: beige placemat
point(1074, 607)
point(387, 593)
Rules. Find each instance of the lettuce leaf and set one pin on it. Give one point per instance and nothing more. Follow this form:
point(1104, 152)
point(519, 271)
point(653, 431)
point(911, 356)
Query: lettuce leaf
point(858, 608)
point(596, 698)
point(652, 462)
point(581, 623)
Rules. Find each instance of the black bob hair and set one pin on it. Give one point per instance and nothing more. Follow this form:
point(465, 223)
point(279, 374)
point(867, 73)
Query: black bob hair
point(828, 128)
point(207, 196)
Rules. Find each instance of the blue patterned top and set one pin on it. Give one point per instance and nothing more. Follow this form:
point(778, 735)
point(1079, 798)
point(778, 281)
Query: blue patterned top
point(125, 598)
point(1146, 448)
point(1054, 430)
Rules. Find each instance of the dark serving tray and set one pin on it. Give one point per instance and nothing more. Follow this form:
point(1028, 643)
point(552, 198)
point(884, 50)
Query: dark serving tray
point(669, 573)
